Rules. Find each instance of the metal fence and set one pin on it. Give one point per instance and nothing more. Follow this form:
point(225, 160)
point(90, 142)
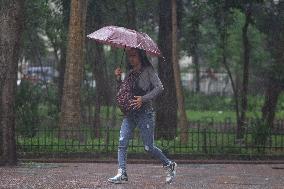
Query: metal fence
point(204, 138)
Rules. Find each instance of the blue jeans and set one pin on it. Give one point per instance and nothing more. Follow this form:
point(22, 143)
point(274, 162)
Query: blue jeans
point(145, 120)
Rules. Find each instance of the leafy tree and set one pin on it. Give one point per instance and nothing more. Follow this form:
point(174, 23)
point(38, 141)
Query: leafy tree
point(56, 30)
point(271, 21)
point(34, 46)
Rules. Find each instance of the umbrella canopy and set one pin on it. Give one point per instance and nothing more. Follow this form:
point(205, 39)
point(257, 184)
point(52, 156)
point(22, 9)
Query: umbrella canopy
point(125, 38)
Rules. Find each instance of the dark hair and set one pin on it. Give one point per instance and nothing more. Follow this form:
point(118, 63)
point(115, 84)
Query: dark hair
point(143, 58)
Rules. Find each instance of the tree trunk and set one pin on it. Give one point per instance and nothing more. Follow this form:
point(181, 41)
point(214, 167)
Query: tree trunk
point(8, 115)
point(194, 52)
point(70, 115)
point(62, 61)
point(275, 43)
point(9, 12)
point(179, 91)
point(61, 71)
point(195, 60)
point(166, 105)
point(222, 25)
point(96, 58)
point(101, 85)
point(226, 66)
point(244, 93)
point(234, 86)
point(271, 97)
point(11, 21)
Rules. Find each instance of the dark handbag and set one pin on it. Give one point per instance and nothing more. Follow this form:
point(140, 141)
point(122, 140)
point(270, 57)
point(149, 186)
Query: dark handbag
point(126, 92)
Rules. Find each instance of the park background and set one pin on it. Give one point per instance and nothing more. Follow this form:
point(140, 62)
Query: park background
point(58, 87)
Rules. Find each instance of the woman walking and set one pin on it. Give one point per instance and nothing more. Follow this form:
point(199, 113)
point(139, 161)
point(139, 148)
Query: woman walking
point(142, 82)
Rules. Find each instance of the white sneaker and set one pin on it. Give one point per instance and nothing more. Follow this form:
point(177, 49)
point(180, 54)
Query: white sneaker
point(121, 177)
point(171, 172)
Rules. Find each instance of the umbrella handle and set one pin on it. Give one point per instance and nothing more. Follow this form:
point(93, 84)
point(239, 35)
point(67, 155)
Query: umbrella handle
point(122, 57)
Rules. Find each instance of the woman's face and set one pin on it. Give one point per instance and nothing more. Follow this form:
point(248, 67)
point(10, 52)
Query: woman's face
point(133, 57)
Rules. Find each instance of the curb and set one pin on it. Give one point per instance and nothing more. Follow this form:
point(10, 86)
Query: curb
point(149, 161)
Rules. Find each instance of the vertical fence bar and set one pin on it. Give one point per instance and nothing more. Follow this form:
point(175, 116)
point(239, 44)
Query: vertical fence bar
point(99, 136)
point(92, 138)
point(52, 137)
point(25, 143)
point(37, 133)
point(216, 136)
point(227, 133)
point(198, 129)
point(223, 130)
point(58, 141)
point(65, 145)
point(192, 129)
point(179, 143)
point(107, 140)
point(282, 134)
point(44, 138)
point(204, 146)
point(78, 136)
point(175, 143)
point(31, 143)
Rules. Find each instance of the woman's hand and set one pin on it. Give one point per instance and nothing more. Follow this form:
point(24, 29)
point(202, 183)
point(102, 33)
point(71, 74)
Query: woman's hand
point(118, 73)
point(137, 102)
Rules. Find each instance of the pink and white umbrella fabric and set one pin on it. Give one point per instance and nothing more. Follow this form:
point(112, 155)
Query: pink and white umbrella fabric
point(125, 38)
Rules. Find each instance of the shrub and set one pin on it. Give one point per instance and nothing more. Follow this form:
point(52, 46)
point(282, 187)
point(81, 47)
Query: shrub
point(260, 132)
point(27, 100)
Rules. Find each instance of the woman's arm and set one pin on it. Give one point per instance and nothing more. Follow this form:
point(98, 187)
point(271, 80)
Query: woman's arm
point(156, 83)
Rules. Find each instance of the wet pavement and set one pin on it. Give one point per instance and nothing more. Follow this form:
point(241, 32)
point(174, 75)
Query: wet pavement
point(149, 176)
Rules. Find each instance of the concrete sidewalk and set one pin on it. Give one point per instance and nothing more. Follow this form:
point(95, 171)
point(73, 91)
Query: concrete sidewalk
point(148, 176)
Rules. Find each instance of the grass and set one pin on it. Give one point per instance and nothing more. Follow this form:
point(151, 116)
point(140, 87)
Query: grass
point(224, 115)
point(209, 114)
point(199, 107)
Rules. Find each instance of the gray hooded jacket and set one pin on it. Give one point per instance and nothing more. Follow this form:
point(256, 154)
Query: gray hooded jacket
point(150, 83)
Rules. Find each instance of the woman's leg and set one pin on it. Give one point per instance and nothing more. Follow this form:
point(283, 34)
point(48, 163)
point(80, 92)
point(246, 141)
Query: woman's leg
point(124, 136)
point(126, 131)
point(146, 124)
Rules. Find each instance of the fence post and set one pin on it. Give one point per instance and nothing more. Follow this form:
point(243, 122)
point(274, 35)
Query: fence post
point(204, 141)
point(107, 138)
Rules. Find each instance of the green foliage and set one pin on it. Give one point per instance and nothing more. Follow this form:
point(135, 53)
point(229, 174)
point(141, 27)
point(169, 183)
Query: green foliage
point(36, 108)
point(260, 132)
point(34, 46)
point(218, 107)
point(55, 28)
point(42, 19)
point(217, 115)
point(280, 105)
point(202, 102)
point(27, 100)
point(255, 103)
point(48, 108)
